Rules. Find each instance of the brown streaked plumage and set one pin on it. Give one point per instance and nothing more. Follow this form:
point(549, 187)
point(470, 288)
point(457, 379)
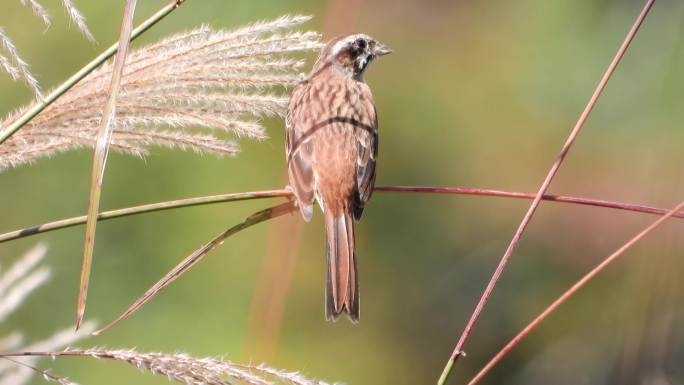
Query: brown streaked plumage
point(331, 146)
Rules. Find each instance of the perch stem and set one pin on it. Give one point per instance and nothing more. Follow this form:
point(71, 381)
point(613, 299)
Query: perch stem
point(212, 199)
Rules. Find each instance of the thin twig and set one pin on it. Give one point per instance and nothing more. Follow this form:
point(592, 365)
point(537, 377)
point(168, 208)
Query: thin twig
point(212, 199)
point(458, 349)
point(197, 255)
point(43, 373)
point(569, 293)
point(148, 208)
point(83, 72)
point(104, 137)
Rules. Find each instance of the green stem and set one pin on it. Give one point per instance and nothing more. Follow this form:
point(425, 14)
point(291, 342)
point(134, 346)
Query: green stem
point(445, 373)
point(83, 72)
point(148, 208)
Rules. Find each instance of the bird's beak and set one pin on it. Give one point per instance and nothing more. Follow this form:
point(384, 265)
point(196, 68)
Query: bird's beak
point(381, 49)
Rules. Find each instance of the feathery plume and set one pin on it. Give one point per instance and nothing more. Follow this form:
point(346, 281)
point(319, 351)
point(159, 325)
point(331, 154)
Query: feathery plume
point(23, 266)
point(16, 283)
point(38, 10)
point(78, 19)
point(8, 66)
point(224, 81)
point(20, 280)
point(21, 68)
point(15, 296)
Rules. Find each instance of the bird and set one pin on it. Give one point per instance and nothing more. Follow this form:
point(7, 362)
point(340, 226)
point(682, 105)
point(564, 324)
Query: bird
point(331, 141)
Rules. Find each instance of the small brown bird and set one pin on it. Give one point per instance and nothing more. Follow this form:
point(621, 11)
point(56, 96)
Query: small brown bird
point(331, 147)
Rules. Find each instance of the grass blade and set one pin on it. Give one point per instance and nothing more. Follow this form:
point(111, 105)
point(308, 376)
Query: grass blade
point(100, 157)
point(197, 255)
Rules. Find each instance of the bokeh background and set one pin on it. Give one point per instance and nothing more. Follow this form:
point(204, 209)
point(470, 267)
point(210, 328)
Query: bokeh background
point(476, 94)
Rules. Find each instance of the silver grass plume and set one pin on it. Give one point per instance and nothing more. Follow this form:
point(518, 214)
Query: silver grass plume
point(16, 283)
point(15, 66)
point(38, 10)
point(78, 19)
point(217, 80)
point(74, 15)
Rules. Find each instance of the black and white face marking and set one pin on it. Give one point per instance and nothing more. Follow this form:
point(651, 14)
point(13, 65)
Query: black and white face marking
point(355, 52)
point(361, 53)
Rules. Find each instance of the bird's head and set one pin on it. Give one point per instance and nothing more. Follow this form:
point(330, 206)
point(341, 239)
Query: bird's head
point(351, 54)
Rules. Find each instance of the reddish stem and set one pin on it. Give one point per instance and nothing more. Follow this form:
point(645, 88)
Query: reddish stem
point(458, 349)
point(524, 195)
point(570, 292)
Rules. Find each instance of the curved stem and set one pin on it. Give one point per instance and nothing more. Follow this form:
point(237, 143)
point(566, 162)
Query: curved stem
point(197, 255)
point(211, 199)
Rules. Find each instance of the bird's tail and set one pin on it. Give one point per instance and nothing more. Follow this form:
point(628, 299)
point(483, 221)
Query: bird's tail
point(342, 292)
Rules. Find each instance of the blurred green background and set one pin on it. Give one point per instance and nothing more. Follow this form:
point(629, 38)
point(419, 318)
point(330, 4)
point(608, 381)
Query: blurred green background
point(477, 94)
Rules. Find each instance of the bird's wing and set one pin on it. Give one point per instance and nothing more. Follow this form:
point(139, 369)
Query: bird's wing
point(367, 150)
point(299, 150)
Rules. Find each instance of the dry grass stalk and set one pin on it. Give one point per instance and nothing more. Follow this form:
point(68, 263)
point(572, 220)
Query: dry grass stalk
point(186, 369)
point(18, 368)
point(216, 80)
point(16, 283)
point(47, 376)
point(13, 374)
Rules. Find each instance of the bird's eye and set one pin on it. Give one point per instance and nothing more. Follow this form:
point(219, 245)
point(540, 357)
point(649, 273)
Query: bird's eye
point(361, 43)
